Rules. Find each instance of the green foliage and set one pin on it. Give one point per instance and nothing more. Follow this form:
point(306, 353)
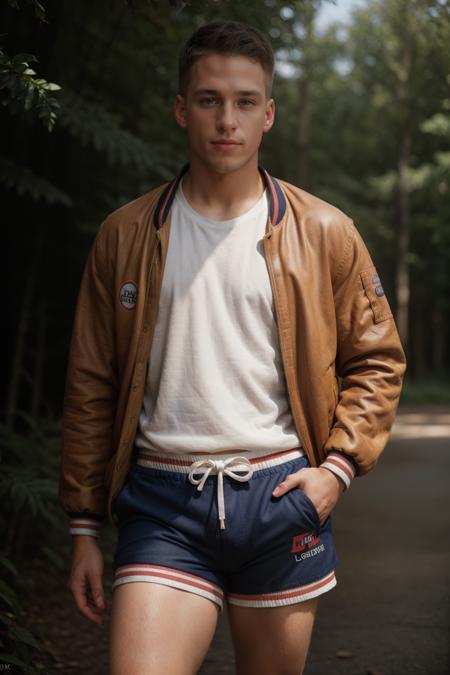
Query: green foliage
point(427, 390)
point(38, 7)
point(30, 519)
point(95, 127)
point(29, 489)
point(24, 91)
point(437, 124)
point(17, 644)
point(418, 178)
point(25, 182)
point(439, 170)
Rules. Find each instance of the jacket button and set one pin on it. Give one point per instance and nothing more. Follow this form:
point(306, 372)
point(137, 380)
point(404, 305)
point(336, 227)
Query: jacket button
point(119, 466)
point(145, 329)
point(134, 387)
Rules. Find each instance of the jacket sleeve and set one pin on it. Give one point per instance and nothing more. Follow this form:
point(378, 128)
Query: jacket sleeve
point(90, 394)
point(370, 360)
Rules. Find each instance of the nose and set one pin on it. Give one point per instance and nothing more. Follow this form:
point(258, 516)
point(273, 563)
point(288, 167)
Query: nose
point(226, 117)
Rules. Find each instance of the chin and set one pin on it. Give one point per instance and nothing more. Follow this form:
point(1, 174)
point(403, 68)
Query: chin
point(227, 166)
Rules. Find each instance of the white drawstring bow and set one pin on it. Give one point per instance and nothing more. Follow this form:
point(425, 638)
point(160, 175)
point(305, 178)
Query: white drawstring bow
point(220, 467)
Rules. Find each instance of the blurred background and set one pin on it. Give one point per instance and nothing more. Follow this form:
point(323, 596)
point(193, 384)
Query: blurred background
point(362, 90)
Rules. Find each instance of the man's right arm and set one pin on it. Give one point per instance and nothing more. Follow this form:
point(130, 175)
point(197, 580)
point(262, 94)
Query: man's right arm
point(90, 394)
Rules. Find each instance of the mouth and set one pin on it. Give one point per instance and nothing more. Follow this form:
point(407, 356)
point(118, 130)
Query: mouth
point(225, 145)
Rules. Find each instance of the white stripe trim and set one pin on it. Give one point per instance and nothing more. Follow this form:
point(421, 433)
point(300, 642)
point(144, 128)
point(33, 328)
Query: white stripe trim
point(339, 472)
point(288, 591)
point(87, 526)
point(149, 578)
point(341, 460)
point(84, 530)
point(167, 570)
point(340, 467)
point(281, 602)
point(263, 464)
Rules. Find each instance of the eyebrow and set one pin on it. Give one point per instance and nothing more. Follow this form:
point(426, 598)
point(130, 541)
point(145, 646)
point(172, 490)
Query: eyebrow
point(214, 92)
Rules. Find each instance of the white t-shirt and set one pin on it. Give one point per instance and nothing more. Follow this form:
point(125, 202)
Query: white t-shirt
point(215, 380)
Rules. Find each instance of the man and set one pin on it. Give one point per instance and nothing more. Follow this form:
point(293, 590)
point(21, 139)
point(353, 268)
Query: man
point(202, 408)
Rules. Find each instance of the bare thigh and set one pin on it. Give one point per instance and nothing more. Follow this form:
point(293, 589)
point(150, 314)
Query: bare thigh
point(159, 630)
point(272, 641)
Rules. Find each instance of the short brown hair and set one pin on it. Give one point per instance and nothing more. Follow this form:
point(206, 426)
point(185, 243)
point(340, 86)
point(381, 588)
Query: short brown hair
point(226, 37)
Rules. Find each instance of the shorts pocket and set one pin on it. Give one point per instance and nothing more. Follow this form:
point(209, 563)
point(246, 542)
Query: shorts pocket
point(302, 501)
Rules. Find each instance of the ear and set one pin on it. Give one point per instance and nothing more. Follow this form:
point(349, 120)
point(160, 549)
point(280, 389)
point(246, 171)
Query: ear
point(269, 116)
point(179, 109)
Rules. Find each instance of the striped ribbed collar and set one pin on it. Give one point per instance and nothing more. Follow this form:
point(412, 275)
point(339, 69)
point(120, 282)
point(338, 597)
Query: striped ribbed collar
point(277, 200)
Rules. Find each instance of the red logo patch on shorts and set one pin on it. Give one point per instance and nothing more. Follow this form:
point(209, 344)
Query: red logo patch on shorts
point(301, 542)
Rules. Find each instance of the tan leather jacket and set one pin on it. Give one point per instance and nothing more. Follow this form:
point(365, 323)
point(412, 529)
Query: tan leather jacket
point(332, 316)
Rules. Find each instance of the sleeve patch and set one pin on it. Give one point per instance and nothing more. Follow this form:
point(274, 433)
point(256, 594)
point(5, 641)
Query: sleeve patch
point(375, 294)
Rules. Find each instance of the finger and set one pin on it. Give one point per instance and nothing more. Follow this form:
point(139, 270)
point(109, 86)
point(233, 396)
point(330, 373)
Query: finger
point(323, 517)
point(87, 610)
point(291, 481)
point(80, 592)
point(97, 595)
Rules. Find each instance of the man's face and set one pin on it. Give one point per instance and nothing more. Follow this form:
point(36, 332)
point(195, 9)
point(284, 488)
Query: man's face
point(225, 111)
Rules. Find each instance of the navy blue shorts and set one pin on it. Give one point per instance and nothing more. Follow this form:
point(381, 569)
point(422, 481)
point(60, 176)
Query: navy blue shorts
point(208, 524)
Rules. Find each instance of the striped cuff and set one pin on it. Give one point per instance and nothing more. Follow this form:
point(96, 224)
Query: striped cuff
point(341, 465)
point(89, 526)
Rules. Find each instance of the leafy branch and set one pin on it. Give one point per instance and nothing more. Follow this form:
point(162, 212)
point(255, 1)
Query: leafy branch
point(23, 91)
point(24, 181)
point(39, 9)
point(94, 126)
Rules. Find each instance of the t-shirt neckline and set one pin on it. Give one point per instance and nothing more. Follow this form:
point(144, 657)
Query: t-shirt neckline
point(258, 206)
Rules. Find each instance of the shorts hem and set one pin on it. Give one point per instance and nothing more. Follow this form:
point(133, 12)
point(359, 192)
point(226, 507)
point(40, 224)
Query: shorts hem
point(286, 597)
point(168, 576)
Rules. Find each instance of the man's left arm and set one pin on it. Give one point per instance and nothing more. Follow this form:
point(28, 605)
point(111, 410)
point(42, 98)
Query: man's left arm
point(371, 362)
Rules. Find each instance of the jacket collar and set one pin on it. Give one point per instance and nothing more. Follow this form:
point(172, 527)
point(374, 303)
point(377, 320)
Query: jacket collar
point(277, 200)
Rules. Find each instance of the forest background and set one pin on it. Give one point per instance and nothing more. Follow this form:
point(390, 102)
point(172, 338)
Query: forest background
point(363, 121)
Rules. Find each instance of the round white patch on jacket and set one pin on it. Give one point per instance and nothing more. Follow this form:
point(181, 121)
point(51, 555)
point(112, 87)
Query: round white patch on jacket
point(128, 295)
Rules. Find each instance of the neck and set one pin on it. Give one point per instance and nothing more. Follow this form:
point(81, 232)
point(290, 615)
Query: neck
point(222, 196)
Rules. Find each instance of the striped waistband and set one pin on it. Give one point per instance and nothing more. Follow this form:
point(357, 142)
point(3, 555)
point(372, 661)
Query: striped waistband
point(259, 459)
